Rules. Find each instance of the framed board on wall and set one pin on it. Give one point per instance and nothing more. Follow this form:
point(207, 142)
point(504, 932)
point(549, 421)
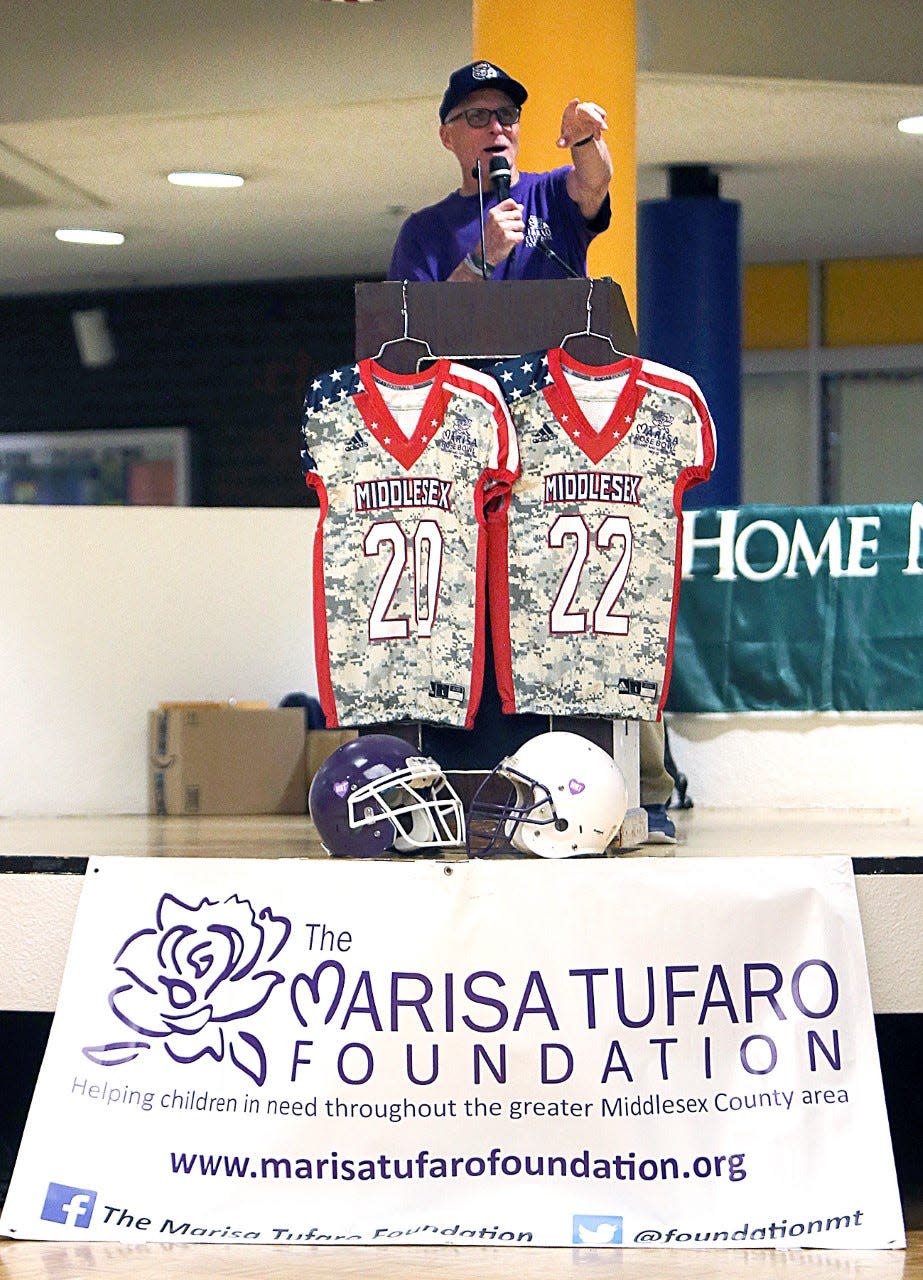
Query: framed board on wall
point(97, 468)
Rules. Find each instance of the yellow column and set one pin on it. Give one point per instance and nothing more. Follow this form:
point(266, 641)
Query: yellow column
point(586, 50)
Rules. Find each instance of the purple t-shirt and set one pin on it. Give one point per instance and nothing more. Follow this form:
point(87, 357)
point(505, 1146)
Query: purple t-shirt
point(433, 241)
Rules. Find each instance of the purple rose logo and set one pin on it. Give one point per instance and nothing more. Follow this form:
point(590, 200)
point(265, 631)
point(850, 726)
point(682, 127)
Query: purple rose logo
point(192, 979)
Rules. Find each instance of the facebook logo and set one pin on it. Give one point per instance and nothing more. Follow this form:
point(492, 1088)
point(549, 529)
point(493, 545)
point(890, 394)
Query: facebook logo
point(71, 1206)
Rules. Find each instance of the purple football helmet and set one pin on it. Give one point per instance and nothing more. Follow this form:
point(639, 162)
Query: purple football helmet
point(376, 794)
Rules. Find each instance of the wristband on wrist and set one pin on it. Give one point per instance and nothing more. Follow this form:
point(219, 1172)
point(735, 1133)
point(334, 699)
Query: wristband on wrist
point(583, 141)
point(478, 266)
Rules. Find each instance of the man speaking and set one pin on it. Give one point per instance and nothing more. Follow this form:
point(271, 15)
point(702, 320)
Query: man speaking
point(536, 225)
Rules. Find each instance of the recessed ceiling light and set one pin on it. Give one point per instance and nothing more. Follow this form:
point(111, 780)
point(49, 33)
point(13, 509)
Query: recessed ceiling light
point(191, 179)
point(911, 124)
point(75, 235)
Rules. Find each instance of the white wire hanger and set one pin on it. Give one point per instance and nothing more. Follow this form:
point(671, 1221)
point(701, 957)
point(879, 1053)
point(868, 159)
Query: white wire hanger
point(429, 356)
point(589, 332)
point(406, 336)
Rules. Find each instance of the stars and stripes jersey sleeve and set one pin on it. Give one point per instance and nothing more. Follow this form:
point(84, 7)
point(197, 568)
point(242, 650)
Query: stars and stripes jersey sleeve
point(404, 467)
point(594, 531)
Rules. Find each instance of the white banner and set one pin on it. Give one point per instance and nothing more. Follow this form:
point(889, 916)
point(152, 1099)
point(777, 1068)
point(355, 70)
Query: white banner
point(609, 1052)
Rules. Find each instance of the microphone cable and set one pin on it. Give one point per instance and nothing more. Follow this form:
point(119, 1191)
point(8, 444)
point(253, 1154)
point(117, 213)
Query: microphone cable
point(477, 174)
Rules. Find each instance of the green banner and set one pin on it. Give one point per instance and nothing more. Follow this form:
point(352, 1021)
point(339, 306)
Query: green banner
point(800, 609)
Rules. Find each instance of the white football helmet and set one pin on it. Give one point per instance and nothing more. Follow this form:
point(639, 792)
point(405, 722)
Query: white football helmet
point(558, 796)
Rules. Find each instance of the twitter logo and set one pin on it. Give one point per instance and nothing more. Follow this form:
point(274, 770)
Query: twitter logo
point(590, 1230)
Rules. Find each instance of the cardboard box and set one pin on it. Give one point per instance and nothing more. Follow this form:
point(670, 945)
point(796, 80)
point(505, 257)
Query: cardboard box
point(221, 758)
point(322, 743)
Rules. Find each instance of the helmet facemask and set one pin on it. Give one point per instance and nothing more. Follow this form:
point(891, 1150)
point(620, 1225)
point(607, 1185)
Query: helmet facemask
point(495, 824)
point(418, 801)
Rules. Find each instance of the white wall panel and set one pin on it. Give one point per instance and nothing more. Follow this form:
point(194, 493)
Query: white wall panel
point(105, 611)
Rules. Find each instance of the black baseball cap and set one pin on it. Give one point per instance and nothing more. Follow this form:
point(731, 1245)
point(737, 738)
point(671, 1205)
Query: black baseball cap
point(479, 75)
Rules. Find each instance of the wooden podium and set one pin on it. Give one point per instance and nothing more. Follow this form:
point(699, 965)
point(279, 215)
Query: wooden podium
point(508, 318)
point(470, 322)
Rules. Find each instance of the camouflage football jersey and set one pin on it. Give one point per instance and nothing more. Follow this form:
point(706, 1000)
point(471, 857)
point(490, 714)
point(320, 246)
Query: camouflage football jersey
point(594, 532)
point(403, 466)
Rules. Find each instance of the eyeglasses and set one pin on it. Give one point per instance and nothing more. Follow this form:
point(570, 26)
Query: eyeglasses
point(479, 117)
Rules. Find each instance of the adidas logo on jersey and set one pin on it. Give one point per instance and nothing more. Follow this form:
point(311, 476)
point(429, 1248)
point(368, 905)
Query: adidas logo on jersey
point(354, 442)
point(544, 435)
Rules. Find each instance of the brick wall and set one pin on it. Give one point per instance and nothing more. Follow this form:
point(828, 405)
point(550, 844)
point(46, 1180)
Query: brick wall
point(230, 362)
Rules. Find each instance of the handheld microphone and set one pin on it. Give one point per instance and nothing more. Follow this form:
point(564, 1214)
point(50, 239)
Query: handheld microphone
point(500, 177)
